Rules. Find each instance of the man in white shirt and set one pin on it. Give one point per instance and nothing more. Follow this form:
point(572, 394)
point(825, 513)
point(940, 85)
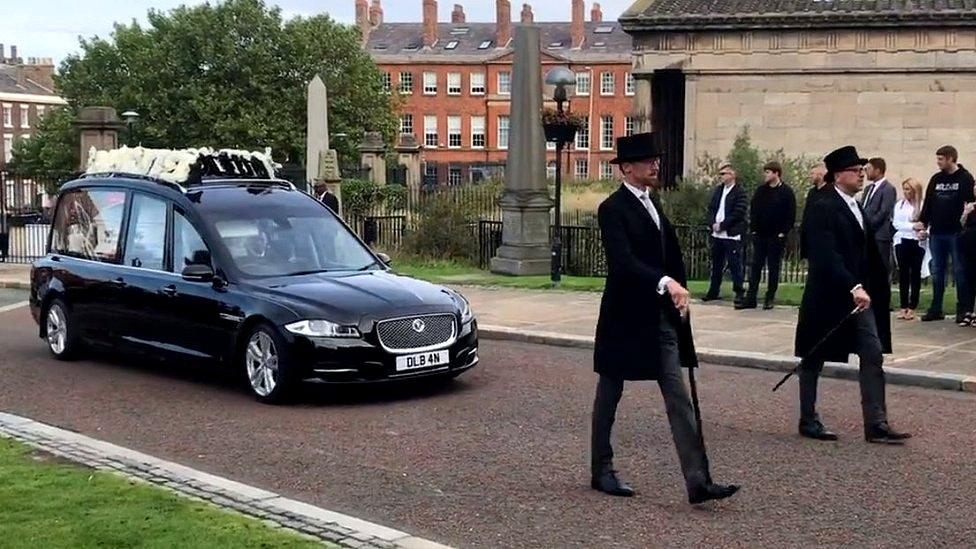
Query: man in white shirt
point(728, 210)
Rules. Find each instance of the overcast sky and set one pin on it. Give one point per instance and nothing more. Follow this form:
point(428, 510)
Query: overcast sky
point(50, 28)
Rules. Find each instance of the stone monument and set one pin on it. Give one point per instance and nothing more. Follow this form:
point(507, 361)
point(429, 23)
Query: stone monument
point(525, 204)
point(373, 153)
point(408, 153)
point(322, 163)
point(99, 127)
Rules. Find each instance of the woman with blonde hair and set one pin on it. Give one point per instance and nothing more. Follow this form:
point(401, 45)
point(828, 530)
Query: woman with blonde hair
point(908, 251)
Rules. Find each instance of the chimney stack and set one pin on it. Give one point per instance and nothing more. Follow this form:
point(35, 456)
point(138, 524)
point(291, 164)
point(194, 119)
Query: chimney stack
point(457, 16)
point(376, 13)
point(503, 19)
point(3, 54)
point(13, 54)
point(528, 17)
point(576, 24)
point(362, 18)
point(596, 14)
point(430, 22)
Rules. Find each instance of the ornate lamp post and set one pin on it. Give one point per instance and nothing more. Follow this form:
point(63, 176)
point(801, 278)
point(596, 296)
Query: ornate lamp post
point(561, 130)
point(130, 118)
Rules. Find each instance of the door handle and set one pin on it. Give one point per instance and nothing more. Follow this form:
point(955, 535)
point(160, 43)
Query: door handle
point(168, 290)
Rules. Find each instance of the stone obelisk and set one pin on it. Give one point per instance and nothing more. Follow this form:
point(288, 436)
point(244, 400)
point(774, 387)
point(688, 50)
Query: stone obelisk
point(317, 135)
point(525, 204)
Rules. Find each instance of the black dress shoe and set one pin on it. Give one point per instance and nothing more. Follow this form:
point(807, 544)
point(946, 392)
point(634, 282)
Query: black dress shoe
point(608, 483)
point(707, 298)
point(768, 304)
point(933, 316)
point(710, 491)
point(816, 431)
point(884, 434)
point(746, 304)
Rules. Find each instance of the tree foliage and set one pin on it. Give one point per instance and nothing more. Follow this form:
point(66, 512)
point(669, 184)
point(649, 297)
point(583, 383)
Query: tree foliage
point(231, 74)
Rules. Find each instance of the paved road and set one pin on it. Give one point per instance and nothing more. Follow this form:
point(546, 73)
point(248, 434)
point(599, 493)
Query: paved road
point(11, 296)
point(500, 458)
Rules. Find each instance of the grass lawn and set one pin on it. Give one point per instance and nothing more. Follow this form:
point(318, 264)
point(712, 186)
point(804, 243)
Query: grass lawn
point(48, 502)
point(446, 272)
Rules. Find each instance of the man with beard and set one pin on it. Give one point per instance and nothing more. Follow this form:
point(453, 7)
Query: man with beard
point(640, 334)
point(845, 272)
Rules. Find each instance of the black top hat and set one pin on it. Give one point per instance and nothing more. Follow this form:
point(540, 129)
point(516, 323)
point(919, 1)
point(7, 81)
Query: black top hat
point(640, 146)
point(842, 158)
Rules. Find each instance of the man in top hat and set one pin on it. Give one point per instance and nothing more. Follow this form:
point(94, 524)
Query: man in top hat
point(640, 334)
point(845, 271)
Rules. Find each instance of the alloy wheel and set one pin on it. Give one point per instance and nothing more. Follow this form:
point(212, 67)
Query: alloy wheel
point(261, 360)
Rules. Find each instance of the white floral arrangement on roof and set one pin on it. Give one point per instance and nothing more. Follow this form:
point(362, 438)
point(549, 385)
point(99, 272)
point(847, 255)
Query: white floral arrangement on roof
point(173, 165)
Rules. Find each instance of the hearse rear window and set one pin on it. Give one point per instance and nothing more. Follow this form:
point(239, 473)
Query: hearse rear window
point(88, 224)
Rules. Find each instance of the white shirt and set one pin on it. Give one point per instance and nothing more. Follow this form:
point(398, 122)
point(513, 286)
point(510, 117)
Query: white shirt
point(720, 216)
point(645, 199)
point(904, 213)
point(852, 204)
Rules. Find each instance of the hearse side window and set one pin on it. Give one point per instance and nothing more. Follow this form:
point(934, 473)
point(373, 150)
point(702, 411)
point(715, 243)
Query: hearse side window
point(88, 223)
point(188, 246)
point(145, 243)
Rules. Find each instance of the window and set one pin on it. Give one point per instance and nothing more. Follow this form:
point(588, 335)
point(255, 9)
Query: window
point(188, 247)
point(387, 80)
point(582, 169)
point(24, 116)
point(629, 89)
point(629, 126)
point(607, 84)
point(583, 135)
point(477, 83)
point(8, 147)
point(406, 123)
point(453, 132)
point(605, 29)
point(430, 131)
point(484, 45)
point(551, 170)
point(406, 83)
point(146, 238)
point(8, 116)
point(606, 133)
point(453, 44)
point(505, 83)
point(454, 83)
point(430, 170)
point(583, 83)
point(88, 224)
point(430, 83)
point(459, 31)
point(454, 176)
point(478, 132)
point(606, 170)
point(40, 111)
point(503, 132)
point(550, 145)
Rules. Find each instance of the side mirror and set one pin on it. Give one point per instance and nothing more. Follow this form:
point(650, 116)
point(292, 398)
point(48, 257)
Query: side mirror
point(384, 258)
point(198, 273)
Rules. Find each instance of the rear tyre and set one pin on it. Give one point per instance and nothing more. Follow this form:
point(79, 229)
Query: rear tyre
point(268, 369)
point(59, 330)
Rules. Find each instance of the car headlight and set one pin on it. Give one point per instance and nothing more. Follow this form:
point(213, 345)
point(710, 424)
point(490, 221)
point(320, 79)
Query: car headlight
point(466, 314)
point(321, 328)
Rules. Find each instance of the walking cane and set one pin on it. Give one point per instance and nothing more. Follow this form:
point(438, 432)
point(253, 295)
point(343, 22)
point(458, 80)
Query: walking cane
point(815, 348)
point(686, 319)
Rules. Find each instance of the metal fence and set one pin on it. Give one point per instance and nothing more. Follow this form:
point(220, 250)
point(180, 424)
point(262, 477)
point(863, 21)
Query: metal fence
point(25, 209)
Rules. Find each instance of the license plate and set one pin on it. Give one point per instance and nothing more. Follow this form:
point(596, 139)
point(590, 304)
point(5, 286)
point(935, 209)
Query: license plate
point(422, 360)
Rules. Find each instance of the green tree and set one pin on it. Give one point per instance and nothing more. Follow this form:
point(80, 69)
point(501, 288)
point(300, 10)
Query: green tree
point(52, 154)
point(232, 74)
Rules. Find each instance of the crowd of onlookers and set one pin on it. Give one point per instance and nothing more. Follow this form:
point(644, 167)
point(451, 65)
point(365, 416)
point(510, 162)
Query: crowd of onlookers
point(918, 232)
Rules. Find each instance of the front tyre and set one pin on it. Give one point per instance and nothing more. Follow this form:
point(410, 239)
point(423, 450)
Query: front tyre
point(267, 365)
point(59, 330)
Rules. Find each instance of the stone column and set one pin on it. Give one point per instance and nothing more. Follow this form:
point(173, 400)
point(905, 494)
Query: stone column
point(317, 136)
point(372, 151)
point(408, 152)
point(642, 102)
point(525, 204)
point(99, 128)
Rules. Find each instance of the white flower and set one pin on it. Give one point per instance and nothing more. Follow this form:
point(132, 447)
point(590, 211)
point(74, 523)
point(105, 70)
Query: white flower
point(165, 164)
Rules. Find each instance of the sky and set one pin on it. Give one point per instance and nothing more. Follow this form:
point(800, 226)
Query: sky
point(50, 28)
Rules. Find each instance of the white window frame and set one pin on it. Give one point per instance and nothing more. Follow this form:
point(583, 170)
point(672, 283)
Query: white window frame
point(480, 89)
point(577, 174)
point(629, 84)
point(608, 84)
point(507, 126)
point(550, 145)
point(24, 116)
point(606, 138)
point(478, 129)
point(507, 90)
point(405, 78)
point(584, 131)
point(606, 170)
point(8, 146)
point(430, 83)
point(428, 133)
point(453, 83)
point(551, 169)
point(451, 172)
point(630, 126)
point(386, 79)
point(454, 132)
point(581, 88)
point(40, 111)
point(404, 117)
point(8, 115)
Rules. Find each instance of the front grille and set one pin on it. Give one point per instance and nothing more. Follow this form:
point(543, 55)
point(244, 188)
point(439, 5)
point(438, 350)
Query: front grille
point(400, 334)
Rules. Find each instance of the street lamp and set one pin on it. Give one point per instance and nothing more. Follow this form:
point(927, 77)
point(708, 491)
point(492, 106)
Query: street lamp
point(560, 77)
point(130, 118)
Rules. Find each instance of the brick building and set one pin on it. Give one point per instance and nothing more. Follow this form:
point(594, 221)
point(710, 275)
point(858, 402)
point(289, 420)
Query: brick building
point(26, 92)
point(455, 77)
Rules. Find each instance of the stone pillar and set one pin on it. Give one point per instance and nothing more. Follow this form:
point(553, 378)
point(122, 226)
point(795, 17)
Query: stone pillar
point(372, 151)
point(525, 204)
point(317, 136)
point(641, 108)
point(408, 152)
point(99, 128)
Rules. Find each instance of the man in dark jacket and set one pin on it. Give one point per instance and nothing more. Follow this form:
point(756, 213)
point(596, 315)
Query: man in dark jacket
point(878, 202)
point(948, 192)
point(845, 271)
point(817, 189)
point(773, 216)
point(727, 211)
point(640, 334)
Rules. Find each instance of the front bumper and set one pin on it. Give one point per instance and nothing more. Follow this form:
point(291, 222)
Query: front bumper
point(363, 361)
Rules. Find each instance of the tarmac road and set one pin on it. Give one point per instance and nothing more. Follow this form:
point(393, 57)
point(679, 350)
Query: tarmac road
point(500, 458)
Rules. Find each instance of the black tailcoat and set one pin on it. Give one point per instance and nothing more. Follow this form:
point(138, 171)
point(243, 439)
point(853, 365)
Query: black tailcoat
point(841, 255)
point(638, 256)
